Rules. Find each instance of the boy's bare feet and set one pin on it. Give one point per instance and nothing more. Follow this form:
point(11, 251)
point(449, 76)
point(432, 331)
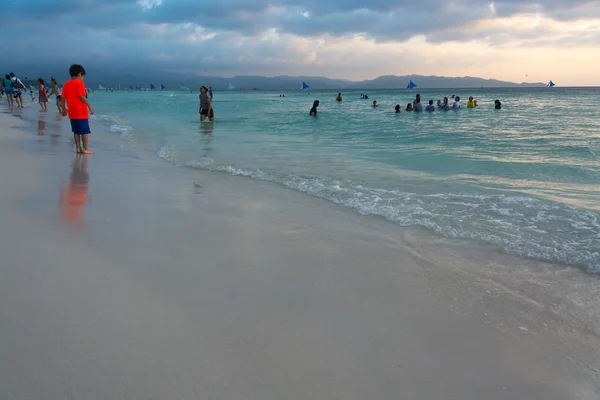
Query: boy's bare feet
point(88, 152)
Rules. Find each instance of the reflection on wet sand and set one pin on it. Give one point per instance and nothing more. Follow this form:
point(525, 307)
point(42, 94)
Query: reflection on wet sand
point(41, 126)
point(74, 196)
point(207, 137)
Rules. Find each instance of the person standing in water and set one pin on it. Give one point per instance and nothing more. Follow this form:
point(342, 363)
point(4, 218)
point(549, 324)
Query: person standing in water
point(456, 102)
point(56, 91)
point(206, 109)
point(417, 106)
point(74, 96)
point(339, 97)
point(313, 110)
point(42, 97)
point(210, 93)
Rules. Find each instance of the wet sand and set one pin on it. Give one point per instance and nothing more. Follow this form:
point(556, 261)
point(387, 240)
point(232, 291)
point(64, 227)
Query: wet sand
point(123, 277)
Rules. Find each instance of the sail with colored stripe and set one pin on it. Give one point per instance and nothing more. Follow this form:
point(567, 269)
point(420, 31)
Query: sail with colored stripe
point(411, 85)
point(152, 87)
point(551, 84)
point(162, 87)
point(304, 86)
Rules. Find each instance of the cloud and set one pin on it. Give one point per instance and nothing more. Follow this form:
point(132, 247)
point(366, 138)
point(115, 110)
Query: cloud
point(333, 37)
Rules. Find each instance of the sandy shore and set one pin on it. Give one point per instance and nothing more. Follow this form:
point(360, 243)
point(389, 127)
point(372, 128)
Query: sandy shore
point(123, 277)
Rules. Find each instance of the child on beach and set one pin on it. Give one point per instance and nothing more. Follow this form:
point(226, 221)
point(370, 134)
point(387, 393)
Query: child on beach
point(42, 97)
point(74, 102)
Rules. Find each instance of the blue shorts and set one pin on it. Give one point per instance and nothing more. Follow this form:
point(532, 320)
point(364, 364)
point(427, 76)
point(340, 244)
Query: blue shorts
point(80, 126)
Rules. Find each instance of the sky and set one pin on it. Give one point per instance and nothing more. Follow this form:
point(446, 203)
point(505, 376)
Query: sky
point(513, 40)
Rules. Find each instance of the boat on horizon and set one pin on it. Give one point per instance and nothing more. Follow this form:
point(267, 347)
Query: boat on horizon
point(551, 84)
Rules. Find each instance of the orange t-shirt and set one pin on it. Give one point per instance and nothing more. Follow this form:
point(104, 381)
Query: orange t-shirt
point(71, 92)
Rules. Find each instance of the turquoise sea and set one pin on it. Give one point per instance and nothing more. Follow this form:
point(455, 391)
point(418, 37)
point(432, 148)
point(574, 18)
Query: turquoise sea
point(525, 178)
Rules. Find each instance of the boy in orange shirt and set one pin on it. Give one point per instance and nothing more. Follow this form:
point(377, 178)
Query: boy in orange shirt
point(74, 96)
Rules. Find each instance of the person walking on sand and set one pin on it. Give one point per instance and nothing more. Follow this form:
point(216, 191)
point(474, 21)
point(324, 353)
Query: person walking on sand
point(17, 85)
point(42, 97)
point(8, 90)
point(74, 103)
point(206, 109)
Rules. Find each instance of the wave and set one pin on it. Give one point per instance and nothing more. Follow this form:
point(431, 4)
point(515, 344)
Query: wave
point(115, 125)
point(519, 225)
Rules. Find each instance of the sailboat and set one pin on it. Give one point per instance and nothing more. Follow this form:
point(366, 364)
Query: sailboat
point(130, 87)
point(162, 87)
point(230, 87)
point(411, 85)
point(304, 86)
point(183, 87)
point(152, 87)
point(551, 84)
point(100, 87)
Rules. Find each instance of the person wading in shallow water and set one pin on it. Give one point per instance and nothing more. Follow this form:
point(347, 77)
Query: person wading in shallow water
point(206, 109)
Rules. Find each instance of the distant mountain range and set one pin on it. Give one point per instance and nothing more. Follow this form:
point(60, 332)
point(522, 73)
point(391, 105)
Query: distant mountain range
point(144, 78)
point(315, 83)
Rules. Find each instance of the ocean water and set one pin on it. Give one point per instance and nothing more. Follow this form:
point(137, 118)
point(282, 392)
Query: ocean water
point(525, 178)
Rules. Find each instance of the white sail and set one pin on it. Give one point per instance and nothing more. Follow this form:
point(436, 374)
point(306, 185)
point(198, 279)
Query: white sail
point(231, 87)
point(100, 87)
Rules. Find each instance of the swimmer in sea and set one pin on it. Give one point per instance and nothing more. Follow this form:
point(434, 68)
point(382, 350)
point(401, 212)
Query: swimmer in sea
point(471, 103)
point(409, 107)
point(417, 106)
point(339, 97)
point(375, 104)
point(456, 102)
point(397, 108)
point(444, 104)
point(497, 105)
point(430, 107)
point(313, 110)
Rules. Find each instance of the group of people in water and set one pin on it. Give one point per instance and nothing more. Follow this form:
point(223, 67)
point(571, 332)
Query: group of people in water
point(417, 105)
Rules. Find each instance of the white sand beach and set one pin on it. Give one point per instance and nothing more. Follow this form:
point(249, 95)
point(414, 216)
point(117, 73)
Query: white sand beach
point(128, 278)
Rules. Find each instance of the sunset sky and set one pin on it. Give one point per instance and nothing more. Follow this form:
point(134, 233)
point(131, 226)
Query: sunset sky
point(351, 39)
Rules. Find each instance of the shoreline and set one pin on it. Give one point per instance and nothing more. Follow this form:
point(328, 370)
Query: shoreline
point(260, 292)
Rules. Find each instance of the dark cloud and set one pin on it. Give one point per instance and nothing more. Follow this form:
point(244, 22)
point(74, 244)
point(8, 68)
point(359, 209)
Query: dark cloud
point(226, 34)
